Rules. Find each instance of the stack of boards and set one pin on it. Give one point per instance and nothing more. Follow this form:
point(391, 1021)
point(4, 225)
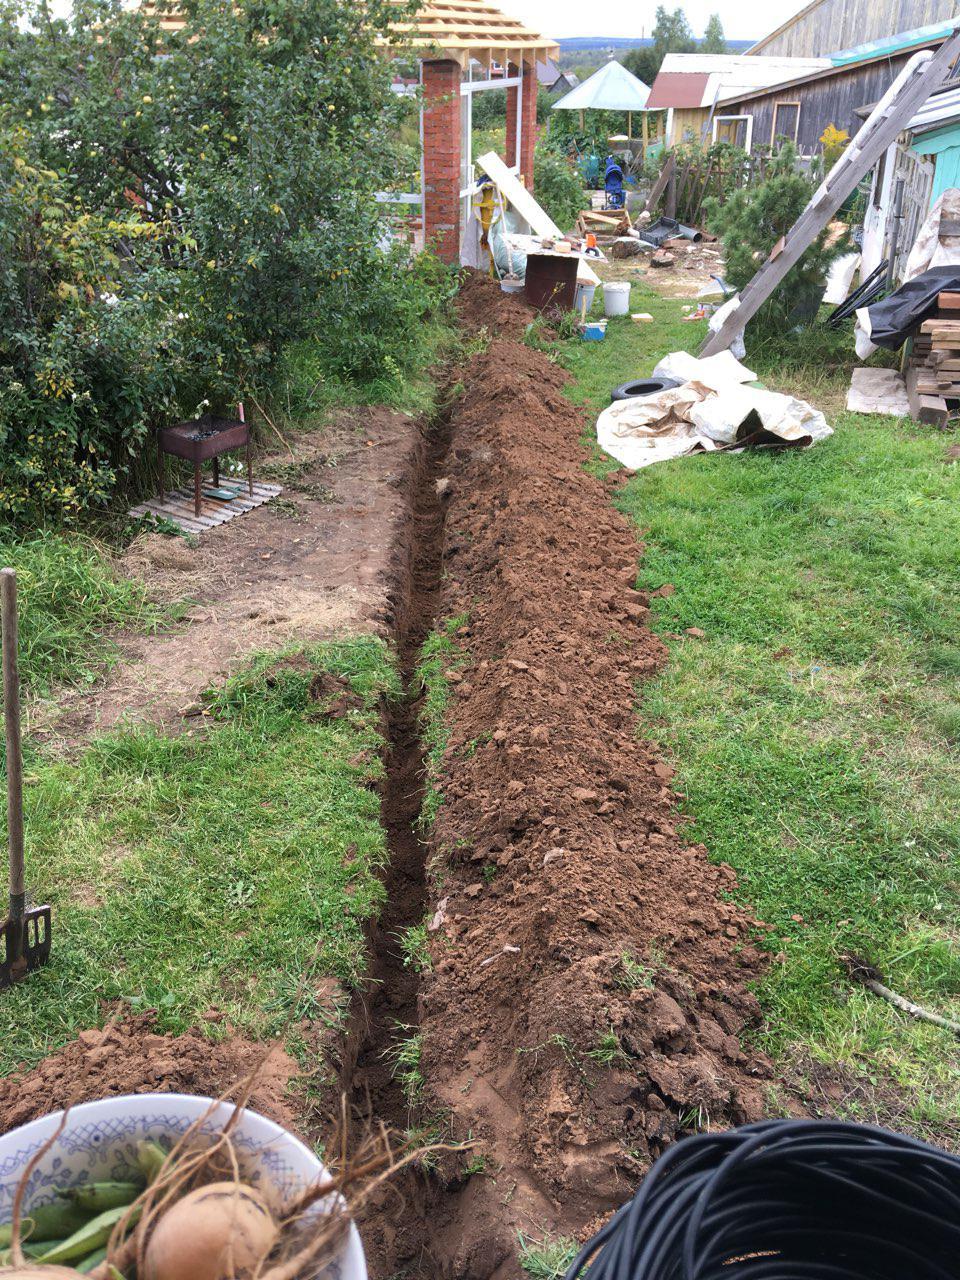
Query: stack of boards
point(932, 374)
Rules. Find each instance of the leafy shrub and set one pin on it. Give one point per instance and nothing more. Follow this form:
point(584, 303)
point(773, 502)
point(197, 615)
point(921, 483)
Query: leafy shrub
point(558, 185)
point(176, 210)
point(85, 341)
point(750, 223)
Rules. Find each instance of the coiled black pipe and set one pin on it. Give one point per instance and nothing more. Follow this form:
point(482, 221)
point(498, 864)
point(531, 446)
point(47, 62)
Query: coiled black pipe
point(787, 1200)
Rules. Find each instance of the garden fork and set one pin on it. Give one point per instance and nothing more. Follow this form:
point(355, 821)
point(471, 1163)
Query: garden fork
point(24, 935)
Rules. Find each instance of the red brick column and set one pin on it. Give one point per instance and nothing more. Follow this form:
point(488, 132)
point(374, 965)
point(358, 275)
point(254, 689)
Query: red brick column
point(441, 157)
point(528, 132)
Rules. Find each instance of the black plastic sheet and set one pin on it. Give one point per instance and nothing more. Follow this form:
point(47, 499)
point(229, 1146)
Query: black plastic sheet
point(893, 319)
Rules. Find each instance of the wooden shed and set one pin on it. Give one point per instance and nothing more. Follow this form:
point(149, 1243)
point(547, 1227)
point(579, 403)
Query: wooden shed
point(800, 109)
point(822, 27)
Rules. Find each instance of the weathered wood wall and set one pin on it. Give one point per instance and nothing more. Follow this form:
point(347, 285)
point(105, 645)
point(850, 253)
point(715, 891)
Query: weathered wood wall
point(832, 25)
point(831, 99)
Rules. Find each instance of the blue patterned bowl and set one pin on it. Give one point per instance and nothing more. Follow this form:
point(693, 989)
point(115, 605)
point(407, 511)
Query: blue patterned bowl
point(100, 1139)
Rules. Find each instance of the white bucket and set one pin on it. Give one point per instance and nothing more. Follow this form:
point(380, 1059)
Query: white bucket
point(585, 292)
point(616, 298)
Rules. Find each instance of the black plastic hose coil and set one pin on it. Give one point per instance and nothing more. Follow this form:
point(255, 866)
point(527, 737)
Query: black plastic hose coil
point(787, 1200)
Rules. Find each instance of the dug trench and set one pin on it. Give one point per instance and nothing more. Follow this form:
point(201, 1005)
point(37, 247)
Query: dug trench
point(587, 998)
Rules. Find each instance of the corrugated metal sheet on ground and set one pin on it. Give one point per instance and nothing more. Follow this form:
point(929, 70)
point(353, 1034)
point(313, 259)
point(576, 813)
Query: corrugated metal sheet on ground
point(178, 507)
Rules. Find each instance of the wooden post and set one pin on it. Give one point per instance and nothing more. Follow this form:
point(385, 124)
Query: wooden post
point(646, 133)
point(629, 126)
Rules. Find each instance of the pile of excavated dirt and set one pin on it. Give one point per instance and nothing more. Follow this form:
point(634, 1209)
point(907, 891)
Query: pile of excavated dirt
point(131, 1056)
point(482, 304)
point(589, 988)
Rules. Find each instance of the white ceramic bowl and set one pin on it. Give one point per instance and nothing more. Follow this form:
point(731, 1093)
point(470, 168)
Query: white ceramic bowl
point(99, 1143)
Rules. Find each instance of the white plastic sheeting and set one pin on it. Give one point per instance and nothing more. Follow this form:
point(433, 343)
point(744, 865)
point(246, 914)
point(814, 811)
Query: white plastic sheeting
point(711, 409)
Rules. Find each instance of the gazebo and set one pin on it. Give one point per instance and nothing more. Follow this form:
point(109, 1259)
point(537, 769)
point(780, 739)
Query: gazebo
point(467, 47)
point(463, 47)
point(612, 88)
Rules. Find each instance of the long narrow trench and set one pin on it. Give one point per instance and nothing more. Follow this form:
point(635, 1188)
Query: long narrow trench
point(389, 1017)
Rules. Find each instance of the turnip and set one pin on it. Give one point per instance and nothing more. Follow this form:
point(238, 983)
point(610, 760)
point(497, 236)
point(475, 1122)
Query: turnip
point(217, 1232)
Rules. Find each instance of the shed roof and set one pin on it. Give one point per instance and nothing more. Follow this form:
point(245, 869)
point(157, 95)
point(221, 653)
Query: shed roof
point(612, 88)
point(699, 79)
point(915, 38)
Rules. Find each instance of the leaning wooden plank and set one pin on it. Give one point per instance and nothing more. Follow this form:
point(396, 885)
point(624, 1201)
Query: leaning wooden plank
point(654, 197)
point(919, 77)
point(540, 223)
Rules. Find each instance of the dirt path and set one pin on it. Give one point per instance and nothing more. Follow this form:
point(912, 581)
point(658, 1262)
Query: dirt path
point(317, 561)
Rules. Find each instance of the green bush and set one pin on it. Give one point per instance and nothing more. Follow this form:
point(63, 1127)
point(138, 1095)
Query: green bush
point(558, 185)
point(176, 210)
point(751, 221)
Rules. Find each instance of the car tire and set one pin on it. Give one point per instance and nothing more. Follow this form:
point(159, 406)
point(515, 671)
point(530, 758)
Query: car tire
point(642, 387)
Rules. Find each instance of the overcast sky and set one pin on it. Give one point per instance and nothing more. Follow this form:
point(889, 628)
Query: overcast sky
point(561, 18)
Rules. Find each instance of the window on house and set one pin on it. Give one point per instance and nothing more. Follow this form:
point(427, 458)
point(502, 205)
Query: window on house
point(737, 130)
point(786, 122)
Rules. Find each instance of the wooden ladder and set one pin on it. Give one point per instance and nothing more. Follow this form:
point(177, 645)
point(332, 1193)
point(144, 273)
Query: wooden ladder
point(922, 74)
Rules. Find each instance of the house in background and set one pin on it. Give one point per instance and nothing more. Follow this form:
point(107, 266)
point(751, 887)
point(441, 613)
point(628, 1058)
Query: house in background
point(800, 108)
point(552, 80)
point(827, 25)
point(693, 87)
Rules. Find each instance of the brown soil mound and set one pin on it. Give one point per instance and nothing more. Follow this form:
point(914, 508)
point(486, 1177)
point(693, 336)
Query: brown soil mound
point(589, 980)
point(482, 304)
point(132, 1057)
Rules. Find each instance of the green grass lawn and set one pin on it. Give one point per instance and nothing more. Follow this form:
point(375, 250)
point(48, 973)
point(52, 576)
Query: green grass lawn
point(227, 869)
point(68, 596)
point(816, 728)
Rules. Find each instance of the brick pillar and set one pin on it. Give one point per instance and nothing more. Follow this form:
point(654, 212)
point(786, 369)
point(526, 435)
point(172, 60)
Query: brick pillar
point(441, 157)
point(528, 132)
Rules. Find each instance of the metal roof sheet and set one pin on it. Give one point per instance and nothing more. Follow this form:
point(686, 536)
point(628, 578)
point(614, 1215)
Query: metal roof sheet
point(721, 75)
point(678, 89)
point(894, 43)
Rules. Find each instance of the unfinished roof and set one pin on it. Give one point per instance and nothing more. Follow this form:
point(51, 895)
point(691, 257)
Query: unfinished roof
point(612, 88)
point(699, 79)
point(455, 29)
point(465, 29)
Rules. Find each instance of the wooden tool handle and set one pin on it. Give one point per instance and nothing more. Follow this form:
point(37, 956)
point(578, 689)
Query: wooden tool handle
point(11, 724)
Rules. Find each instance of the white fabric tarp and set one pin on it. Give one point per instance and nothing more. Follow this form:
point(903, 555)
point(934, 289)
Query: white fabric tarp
point(711, 409)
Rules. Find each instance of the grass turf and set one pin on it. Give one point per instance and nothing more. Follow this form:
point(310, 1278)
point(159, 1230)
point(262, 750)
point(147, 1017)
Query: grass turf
point(815, 728)
point(68, 595)
point(226, 869)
